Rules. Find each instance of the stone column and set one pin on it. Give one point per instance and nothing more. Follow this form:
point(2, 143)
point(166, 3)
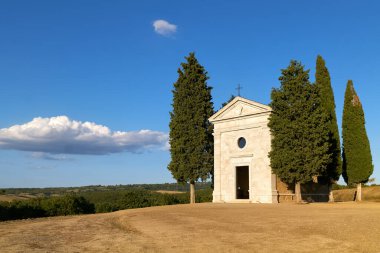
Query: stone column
point(274, 189)
point(217, 169)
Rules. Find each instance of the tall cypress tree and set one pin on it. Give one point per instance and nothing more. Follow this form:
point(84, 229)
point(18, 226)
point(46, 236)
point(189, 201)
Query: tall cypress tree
point(298, 124)
point(229, 100)
point(326, 94)
point(191, 140)
point(357, 158)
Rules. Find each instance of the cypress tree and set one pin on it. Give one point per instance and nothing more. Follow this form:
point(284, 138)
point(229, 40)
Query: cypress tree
point(357, 158)
point(190, 137)
point(323, 83)
point(229, 100)
point(299, 129)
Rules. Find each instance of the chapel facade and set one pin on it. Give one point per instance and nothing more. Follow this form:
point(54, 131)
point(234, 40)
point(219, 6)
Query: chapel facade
point(242, 142)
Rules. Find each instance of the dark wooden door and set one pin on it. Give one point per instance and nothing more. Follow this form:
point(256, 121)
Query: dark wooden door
point(242, 182)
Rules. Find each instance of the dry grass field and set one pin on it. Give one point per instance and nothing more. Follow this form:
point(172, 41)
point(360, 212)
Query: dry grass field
point(371, 193)
point(169, 192)
point(338, 227)
point(11, 197)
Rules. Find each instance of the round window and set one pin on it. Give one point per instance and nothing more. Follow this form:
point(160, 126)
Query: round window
point(241, 142)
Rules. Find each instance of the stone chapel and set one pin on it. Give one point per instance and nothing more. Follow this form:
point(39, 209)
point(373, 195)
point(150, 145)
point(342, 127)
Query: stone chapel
point(242, 141)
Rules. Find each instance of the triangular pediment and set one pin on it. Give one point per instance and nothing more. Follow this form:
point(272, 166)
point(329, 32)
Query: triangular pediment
point(239, 107)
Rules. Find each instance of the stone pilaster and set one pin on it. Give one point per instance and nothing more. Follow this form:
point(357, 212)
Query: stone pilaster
point(274, 189)
point(217, 169)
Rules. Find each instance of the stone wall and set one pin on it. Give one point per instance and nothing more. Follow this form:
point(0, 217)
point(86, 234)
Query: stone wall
point(311, 192)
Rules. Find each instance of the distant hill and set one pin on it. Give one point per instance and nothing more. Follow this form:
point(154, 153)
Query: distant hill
point(339, 227)
point(55, 191)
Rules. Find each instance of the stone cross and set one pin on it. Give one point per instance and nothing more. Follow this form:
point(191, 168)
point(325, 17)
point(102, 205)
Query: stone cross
point(238, 89)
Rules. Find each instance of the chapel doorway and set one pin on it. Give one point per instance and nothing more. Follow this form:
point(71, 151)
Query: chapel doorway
point(242, 182)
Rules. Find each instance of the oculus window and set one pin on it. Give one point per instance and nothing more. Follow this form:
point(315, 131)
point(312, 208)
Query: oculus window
point(242, 142)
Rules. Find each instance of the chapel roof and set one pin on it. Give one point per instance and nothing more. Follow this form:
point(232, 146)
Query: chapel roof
point(240, 107)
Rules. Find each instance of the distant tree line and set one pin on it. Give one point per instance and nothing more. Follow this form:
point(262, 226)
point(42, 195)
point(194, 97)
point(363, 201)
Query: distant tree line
point(94, 202)
point(138, 198)
point(54, 191)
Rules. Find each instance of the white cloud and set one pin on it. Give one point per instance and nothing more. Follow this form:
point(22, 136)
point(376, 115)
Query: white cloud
point(163, 27)
point(61, 135)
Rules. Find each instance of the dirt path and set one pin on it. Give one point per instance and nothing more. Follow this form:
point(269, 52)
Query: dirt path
point(343, 227)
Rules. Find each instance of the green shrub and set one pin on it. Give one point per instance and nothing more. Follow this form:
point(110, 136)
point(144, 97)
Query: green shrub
point(136, 199)
point(21, 210)
point(41, 207)
point(162, 199)
point(67, 205)
point(106, 207)
point(201, 196)
point(204, 195)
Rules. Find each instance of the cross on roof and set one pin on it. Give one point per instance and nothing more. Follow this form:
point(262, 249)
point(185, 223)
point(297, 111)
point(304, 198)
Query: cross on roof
point(238, 89)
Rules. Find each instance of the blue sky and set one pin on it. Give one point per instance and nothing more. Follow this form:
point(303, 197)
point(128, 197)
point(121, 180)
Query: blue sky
point(104, 62)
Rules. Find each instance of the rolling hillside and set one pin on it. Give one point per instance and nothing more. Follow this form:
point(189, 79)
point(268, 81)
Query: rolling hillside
point(338, 227)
